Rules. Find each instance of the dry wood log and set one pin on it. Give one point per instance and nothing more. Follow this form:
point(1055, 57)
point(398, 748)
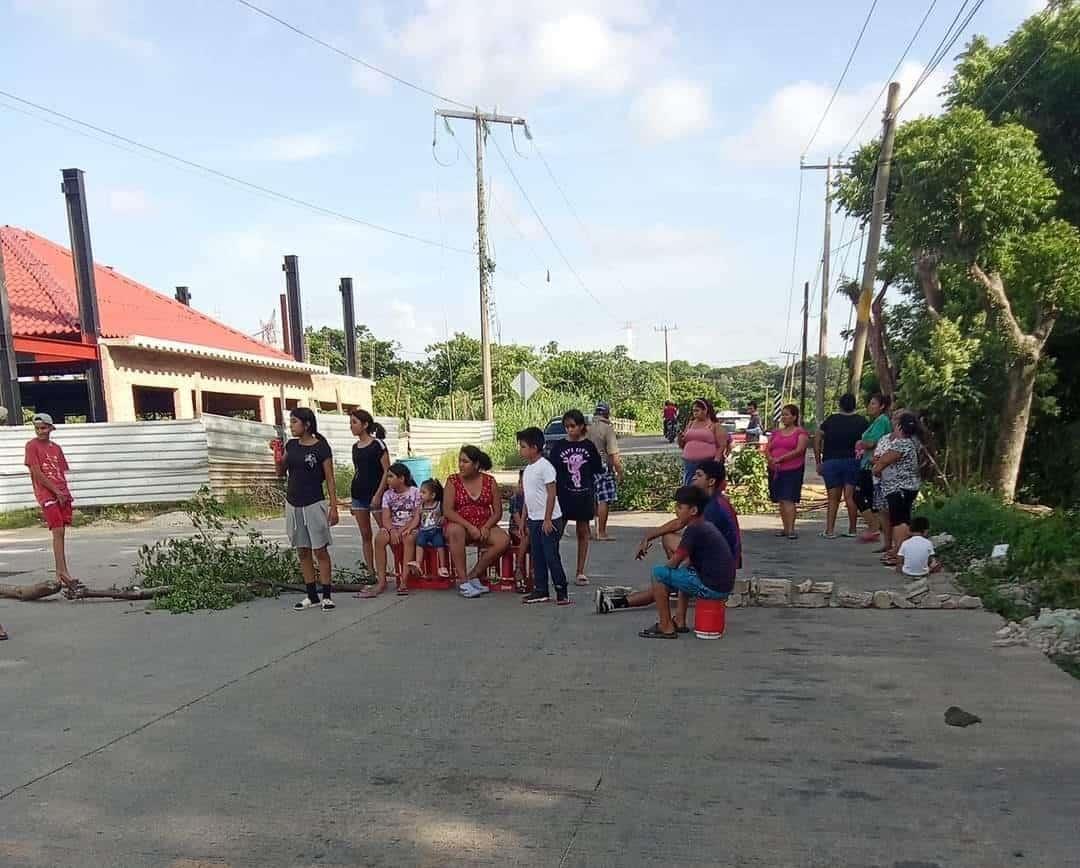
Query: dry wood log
point(38, 591)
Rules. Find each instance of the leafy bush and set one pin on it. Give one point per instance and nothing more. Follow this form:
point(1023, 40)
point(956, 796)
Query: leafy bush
point(1043, 559)
point(748, 482)
point(649, 482)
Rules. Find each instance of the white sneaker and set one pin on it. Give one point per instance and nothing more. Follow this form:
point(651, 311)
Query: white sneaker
point(469, 592)
point(467, 586)
point(305, 604)
point(481, 588)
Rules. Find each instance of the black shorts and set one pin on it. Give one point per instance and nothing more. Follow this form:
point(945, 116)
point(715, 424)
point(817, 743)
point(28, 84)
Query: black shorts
point(786, 485)
point(864, 490)
point(578, 509)
point(900, 503)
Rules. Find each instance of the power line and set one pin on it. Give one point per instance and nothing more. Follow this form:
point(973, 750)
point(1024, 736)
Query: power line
point(794, 258)
point(547, 231)
point(891, 76)
point(258, 188)
point(585, 230)
point(1023, 75)
point(358, 60)
point(843, 75)
point(944, 46)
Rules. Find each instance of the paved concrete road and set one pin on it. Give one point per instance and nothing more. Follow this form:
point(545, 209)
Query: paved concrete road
point(433, 731)
point(645, 445)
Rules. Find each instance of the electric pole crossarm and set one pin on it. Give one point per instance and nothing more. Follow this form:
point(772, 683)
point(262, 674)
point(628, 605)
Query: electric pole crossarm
point(486, 117)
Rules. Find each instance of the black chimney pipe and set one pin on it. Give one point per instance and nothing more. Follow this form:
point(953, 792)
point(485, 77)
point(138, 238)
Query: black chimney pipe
point(74, 189)
point(10, 396)
point(183, 295)
point(286, 341)
point(296, 317)
point(349, 314)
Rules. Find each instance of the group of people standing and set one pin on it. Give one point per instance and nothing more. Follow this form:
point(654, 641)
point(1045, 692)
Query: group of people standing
point(394, 514)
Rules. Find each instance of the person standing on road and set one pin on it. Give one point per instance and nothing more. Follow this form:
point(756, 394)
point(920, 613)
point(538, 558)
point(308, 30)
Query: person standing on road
point(834, 454)
point(753, 427)
point(48, 473)
point(671, 420)
point(371, 460)
point(602, 434)
point(898, 468)
point(308, 462)
point(544, 518)
point(787, 464)
point(703, 439)
point(577, 463)
point(880, 425)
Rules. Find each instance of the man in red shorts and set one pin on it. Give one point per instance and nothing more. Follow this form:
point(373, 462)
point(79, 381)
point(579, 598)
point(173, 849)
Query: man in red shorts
point(48, 469)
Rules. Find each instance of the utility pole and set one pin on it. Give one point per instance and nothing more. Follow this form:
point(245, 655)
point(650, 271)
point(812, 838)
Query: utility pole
point(823, 318)
point(805, 336)
point(481, 119)
point(873, 241)
point(665, 328)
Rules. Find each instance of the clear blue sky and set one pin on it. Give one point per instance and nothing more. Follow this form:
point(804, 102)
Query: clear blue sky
point(674, 127)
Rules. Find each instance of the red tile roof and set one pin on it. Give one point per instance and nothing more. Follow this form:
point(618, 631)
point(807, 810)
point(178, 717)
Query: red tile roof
point(40, 278)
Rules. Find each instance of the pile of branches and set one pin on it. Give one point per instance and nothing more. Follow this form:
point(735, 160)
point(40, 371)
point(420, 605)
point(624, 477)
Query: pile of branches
point(223, 563)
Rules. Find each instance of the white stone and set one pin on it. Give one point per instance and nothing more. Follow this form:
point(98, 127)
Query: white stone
point(822, 587)
point(948, 602)
point(804, 586)
point(773, 592)
point(942, 539)
point(742, 586)
point(810, 601)
point(928, 601)
point(900, 601)
point(882, 600)
point(916, 589)
point(734, 601)
point(969, 602)
point(854, 599)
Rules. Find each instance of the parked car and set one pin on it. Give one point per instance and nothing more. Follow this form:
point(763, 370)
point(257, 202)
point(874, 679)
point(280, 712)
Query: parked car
point(736, 425)
point(555, 430)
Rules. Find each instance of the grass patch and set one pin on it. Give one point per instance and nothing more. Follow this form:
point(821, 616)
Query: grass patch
point(16, 519)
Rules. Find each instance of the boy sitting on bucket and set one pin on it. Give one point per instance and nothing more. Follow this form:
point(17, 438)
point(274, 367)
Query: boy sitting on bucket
point(702, 566)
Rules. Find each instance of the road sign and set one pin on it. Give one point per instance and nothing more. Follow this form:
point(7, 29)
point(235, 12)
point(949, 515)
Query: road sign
point(525, 384)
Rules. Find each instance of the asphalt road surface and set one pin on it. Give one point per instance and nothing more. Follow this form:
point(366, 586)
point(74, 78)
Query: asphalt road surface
point(435, 731)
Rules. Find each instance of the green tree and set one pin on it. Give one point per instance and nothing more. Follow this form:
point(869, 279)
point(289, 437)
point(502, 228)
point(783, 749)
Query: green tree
point(978, 197)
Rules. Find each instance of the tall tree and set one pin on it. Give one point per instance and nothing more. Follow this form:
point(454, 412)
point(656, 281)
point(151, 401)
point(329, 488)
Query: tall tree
point(978, 196)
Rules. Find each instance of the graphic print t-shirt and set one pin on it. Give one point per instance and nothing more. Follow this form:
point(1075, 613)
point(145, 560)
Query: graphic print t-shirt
point(50, 458)
point(304, 464)
point(431, 516)
point(576, 464)
point(402, 505)
point(841, 432)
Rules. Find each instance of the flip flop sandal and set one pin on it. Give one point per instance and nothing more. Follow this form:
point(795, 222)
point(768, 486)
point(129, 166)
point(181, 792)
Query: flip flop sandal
point(654, 632)
point(402, 591)
point(779, 533)
point(366, 595)
point(827, 535)
point(683, 629)
point(581, 580)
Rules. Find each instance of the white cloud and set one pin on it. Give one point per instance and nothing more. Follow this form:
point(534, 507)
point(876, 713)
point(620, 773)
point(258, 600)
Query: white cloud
point(672, 110)
point(296, 147)
point(487, 52)
point(780, 128)
point(128, 201)
point(91, 19)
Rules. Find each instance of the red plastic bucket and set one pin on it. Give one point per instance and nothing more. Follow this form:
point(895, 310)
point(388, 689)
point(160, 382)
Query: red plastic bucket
point(709, 618)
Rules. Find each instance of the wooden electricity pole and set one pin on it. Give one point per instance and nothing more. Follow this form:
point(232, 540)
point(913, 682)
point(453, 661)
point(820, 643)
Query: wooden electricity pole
point(805, 336)
point(873, 240)
point(481, 119)
point(823, 318)
point(665, 328)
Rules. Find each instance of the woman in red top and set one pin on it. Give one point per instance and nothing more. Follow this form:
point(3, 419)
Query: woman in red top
point(787, 463)
point(472, 507)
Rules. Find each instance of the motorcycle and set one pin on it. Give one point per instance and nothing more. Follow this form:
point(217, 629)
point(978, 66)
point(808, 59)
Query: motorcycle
point(670, 429)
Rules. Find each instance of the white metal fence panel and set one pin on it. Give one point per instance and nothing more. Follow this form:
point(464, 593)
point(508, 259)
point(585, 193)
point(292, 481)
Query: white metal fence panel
point(432, 437)
point(113, 462)
point(238, 452)
point(335, 428)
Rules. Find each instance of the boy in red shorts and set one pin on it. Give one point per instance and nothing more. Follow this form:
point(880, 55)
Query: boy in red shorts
point(48, 469)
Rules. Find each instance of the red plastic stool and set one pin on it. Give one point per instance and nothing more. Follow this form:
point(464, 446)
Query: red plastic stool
point(709, 618)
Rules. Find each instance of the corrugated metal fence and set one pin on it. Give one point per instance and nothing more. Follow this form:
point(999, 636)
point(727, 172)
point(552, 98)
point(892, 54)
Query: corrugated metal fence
point(168, 462)
point(432, 437)
point(113, 462)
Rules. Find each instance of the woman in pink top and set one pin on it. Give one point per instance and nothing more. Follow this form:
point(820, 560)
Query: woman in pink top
point(787, 463)
point(703, 439)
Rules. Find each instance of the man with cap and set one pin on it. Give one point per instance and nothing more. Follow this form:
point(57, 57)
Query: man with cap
point(602, 435)
point(48, 473)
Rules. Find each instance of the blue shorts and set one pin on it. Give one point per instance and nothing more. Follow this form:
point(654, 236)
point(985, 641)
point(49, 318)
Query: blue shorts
point(786, 485)
point(839, 472)
point(687, 581)
point(361, 504)
point(430, 538)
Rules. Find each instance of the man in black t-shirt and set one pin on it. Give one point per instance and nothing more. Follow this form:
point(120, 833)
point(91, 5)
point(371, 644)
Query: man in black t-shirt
point(834, 451)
